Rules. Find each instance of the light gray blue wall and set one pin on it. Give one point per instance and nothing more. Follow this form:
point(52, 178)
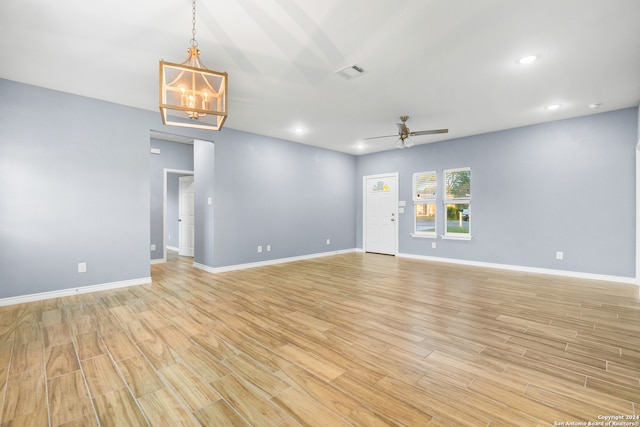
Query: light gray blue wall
point(172, 155)
point(75, 188)
point(564, 186)
point(83, 193)
point(273, 192)
point(76, 183)
point(204, 180)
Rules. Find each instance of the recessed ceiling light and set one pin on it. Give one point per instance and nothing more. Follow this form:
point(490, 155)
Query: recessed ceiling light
point(594, 105)
point(527, 59)
point(553, 107)
point(298, 130)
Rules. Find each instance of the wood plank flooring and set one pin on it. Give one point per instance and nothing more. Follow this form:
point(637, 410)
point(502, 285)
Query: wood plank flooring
point(347, 340)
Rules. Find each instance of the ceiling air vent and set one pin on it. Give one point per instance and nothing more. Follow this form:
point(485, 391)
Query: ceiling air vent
point(351, 71)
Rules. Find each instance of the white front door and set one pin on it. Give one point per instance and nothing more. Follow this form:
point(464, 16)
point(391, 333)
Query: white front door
point(381, 213)
point(186, 216)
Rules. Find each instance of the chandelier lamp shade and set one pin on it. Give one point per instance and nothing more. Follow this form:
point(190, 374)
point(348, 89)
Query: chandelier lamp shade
point(191, 95)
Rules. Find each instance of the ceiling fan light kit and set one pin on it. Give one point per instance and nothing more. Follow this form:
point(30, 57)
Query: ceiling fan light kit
point(404, 133)
point(404, 143)
point(191, 95)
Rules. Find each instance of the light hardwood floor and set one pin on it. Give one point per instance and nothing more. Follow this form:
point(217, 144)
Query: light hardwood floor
point(346, 340)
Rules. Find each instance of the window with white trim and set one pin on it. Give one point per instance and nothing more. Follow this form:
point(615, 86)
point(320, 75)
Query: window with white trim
point(424, 204)
point(457, 203)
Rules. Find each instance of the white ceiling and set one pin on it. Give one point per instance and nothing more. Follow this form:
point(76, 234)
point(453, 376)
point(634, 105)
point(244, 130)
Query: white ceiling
point(446, 63)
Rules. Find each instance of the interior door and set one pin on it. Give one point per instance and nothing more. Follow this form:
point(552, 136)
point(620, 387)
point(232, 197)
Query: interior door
point(186, 216)
point(381, 214)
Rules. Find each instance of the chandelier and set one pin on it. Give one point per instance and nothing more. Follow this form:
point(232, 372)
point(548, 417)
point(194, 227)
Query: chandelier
point(191, 95)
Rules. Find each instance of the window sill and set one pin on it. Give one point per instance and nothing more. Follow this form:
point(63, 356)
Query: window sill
point(450, 237)
point(425, 236)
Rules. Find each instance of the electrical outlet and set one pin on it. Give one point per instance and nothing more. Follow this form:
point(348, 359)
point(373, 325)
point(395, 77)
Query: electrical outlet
point(328, 241)
point(560, 255)
point(82, 267)
point(433, 245)
point(259, 248)
point(268, 248)
point(153, 247)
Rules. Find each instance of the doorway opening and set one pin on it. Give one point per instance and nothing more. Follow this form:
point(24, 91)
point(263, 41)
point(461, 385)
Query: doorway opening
point(186, 212)
point(171, 234)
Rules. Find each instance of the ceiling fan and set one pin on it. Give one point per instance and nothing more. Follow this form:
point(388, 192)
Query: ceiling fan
point(404, 133)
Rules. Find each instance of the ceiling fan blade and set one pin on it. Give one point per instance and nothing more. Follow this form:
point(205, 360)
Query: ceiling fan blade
point(429, 132)
point(404, 132)
point(386, 136)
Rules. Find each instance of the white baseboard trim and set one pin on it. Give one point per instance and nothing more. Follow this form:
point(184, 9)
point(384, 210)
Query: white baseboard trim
point(73, 291)
point(158, 261)
point(173, 248)
point(235, 267)
point(523, 269)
